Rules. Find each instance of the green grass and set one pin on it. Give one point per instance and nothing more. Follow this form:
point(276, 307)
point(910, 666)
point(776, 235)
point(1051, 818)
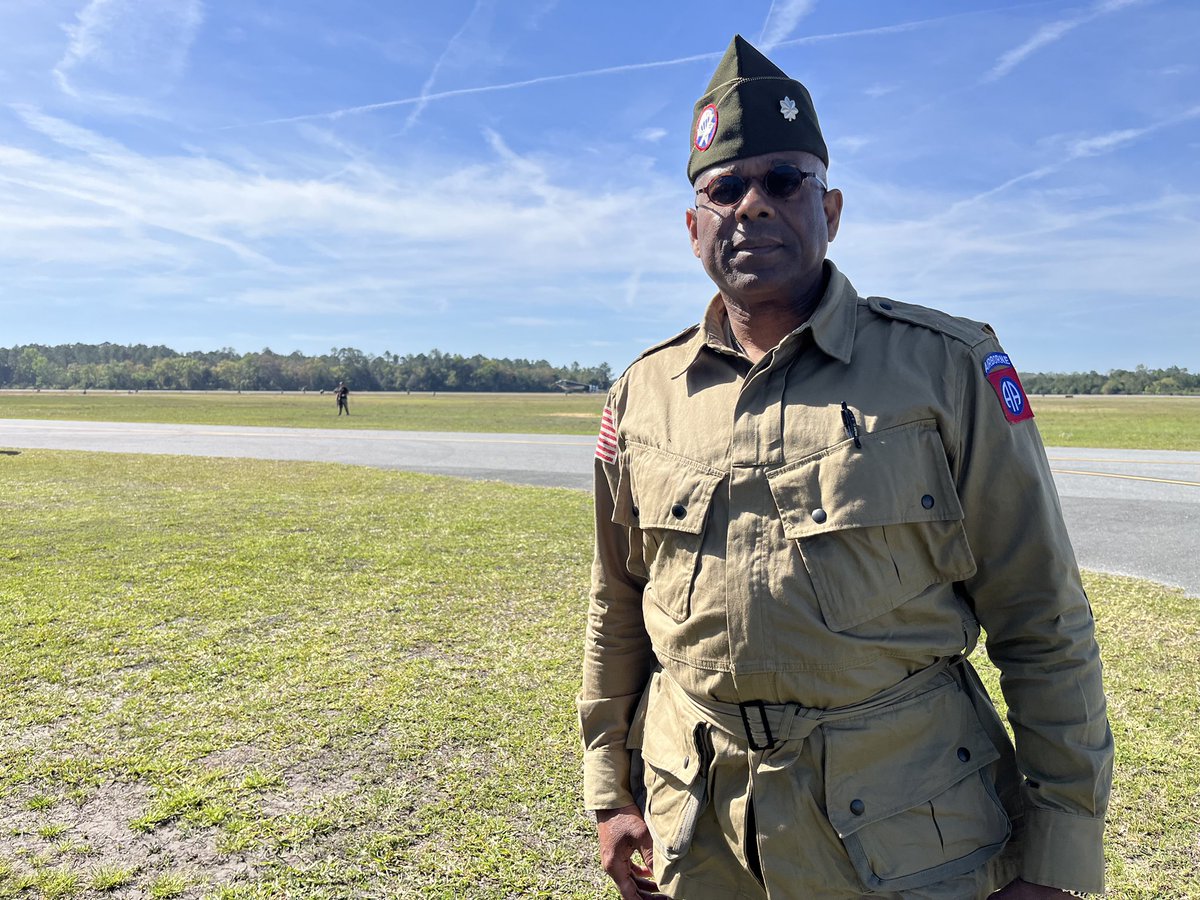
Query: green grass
point(511, 413)
point(243, 680)
point(319, 686)
point(1134, 423)
point(1155, 423)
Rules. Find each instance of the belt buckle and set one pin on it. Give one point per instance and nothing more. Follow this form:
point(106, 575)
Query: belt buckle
point(763, 729)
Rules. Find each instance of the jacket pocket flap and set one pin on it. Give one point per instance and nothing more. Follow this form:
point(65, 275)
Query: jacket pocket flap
point(884, 763)
point(670, 749)
point(670, 491)
point(899, 476)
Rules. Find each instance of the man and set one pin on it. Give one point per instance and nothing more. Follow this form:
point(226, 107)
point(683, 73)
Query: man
point(806, 508)
point(343, 398)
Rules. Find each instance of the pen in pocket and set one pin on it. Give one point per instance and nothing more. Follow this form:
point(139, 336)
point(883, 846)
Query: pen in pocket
point(851, 425)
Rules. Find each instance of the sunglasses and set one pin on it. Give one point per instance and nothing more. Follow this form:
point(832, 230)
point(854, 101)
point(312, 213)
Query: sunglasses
point(780, 182)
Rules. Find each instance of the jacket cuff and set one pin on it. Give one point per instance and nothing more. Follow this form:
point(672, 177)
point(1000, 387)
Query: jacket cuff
point(1063, 850)
point(606, 778)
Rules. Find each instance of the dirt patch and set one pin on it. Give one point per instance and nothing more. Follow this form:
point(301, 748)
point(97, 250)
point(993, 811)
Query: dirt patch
point(82, 835)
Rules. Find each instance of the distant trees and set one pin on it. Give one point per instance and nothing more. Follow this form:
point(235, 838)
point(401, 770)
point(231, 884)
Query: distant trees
point(138, 367)
point(1117, 381)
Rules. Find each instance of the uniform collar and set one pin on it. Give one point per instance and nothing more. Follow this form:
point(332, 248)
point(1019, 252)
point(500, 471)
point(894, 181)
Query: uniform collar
point(832, 324)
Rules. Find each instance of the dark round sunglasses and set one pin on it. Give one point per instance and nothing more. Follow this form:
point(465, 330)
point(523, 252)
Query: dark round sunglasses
point(780, 182)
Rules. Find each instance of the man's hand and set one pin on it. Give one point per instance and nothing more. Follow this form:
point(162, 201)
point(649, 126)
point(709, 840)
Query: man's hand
point(1023, 890)
point(623, 832)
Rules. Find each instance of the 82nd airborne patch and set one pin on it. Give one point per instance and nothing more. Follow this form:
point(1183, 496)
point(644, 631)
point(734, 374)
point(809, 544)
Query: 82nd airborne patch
point(999, 371)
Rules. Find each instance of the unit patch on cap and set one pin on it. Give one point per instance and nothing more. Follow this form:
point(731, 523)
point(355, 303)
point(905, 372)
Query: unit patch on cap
point(706, 127)
point(787, 108)
point(999, 371)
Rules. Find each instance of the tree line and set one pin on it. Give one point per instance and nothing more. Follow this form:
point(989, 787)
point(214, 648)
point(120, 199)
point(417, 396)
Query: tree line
point(1117, 381)
point(139, 367)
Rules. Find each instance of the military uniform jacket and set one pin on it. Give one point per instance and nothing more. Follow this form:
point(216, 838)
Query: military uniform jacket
point(749, 546)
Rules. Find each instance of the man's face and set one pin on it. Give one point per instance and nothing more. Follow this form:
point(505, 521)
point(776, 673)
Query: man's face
point(765, 248)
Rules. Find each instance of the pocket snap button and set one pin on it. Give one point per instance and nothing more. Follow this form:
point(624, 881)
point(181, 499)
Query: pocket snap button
point(964, 754)
point(857, 807)
point(679, 510)
point(927, 501)
point(819, 516)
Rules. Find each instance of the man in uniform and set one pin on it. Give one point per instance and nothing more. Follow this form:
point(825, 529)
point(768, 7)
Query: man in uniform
point(807, 506)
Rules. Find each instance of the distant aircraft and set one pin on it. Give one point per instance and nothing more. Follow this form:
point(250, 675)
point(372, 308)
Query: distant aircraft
point(576, 387)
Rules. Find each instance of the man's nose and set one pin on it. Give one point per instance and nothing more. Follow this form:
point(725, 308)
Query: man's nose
point(756, 204)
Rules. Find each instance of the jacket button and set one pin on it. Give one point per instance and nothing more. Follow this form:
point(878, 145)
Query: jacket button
point(964, 754)
point(819, 516)
point(635, 512)
point(857, 807)
point(927, 501)
point(679, 510)
point(687, 761)
point(885, 306)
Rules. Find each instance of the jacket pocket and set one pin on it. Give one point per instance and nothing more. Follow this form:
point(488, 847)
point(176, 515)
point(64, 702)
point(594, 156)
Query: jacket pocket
point(910, 794)
point(670, 499)
point(875, 526)
point(676, 752)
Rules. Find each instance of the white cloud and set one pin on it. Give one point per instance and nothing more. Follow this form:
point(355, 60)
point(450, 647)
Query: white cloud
point(253, 233)
point(782, 19)
point(126, 49)
point(1051, 33)
point(652, 135)
point(851, 143)
point(881, 90)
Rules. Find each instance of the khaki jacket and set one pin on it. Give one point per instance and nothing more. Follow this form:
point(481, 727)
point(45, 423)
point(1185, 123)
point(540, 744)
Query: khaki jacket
point(751, 550)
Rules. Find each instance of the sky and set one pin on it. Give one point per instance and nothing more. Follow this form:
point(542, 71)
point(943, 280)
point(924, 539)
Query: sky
point(508, 178)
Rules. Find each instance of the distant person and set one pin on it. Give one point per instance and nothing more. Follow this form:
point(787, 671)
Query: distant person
point(343, 398)
point(807, 508)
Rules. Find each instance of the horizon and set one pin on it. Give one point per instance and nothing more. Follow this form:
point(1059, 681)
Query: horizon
point(508, 180)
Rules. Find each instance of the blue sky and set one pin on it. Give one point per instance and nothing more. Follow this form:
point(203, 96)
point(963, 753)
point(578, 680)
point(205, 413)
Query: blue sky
point(507, 178)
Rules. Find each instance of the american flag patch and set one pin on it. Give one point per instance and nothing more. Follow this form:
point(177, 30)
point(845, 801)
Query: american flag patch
point(606, 444)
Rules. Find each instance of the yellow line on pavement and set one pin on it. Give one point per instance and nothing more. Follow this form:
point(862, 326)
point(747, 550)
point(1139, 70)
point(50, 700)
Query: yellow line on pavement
point(1103, 459)
point(1129, 477)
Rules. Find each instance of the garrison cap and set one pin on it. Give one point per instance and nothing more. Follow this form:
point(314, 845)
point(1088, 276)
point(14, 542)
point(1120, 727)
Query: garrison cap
point(751, 107)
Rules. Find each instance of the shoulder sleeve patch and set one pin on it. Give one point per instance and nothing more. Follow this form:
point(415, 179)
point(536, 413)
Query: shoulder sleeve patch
point(1001, 374)
point(606, 442)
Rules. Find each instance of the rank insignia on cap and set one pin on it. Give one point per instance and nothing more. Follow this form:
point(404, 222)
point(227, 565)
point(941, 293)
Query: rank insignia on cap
point(1000, 373)
point(787, 108)
point(606, 443)
point(706, 128)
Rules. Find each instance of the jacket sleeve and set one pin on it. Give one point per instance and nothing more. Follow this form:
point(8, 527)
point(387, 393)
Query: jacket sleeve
point(1028, 597)
point(617, 656)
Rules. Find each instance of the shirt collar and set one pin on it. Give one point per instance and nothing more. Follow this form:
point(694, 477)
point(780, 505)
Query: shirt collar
point(832, 324)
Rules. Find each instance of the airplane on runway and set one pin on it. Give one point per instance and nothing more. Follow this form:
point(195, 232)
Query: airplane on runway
point(576, 387)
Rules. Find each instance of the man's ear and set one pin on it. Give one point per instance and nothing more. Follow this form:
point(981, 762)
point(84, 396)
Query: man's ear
point(833, 211)
point(690, 216)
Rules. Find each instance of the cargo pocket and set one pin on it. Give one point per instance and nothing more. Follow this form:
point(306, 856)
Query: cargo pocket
point(909, 793)
point(676, 757)
point(670, 498)
point(875, 526)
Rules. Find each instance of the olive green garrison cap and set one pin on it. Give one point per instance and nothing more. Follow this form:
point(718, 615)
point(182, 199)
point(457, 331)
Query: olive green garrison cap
point(751, 107)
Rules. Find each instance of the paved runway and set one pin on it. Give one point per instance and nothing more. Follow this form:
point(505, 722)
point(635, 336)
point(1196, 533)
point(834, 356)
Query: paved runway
point(1130, 512)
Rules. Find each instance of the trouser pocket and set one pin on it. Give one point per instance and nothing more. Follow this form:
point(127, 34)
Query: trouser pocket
point(909, 791)
point(677, 756)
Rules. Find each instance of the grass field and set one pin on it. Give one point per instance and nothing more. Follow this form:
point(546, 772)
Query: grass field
point(241, 679)
point(512, 413)
point(1152, 423)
